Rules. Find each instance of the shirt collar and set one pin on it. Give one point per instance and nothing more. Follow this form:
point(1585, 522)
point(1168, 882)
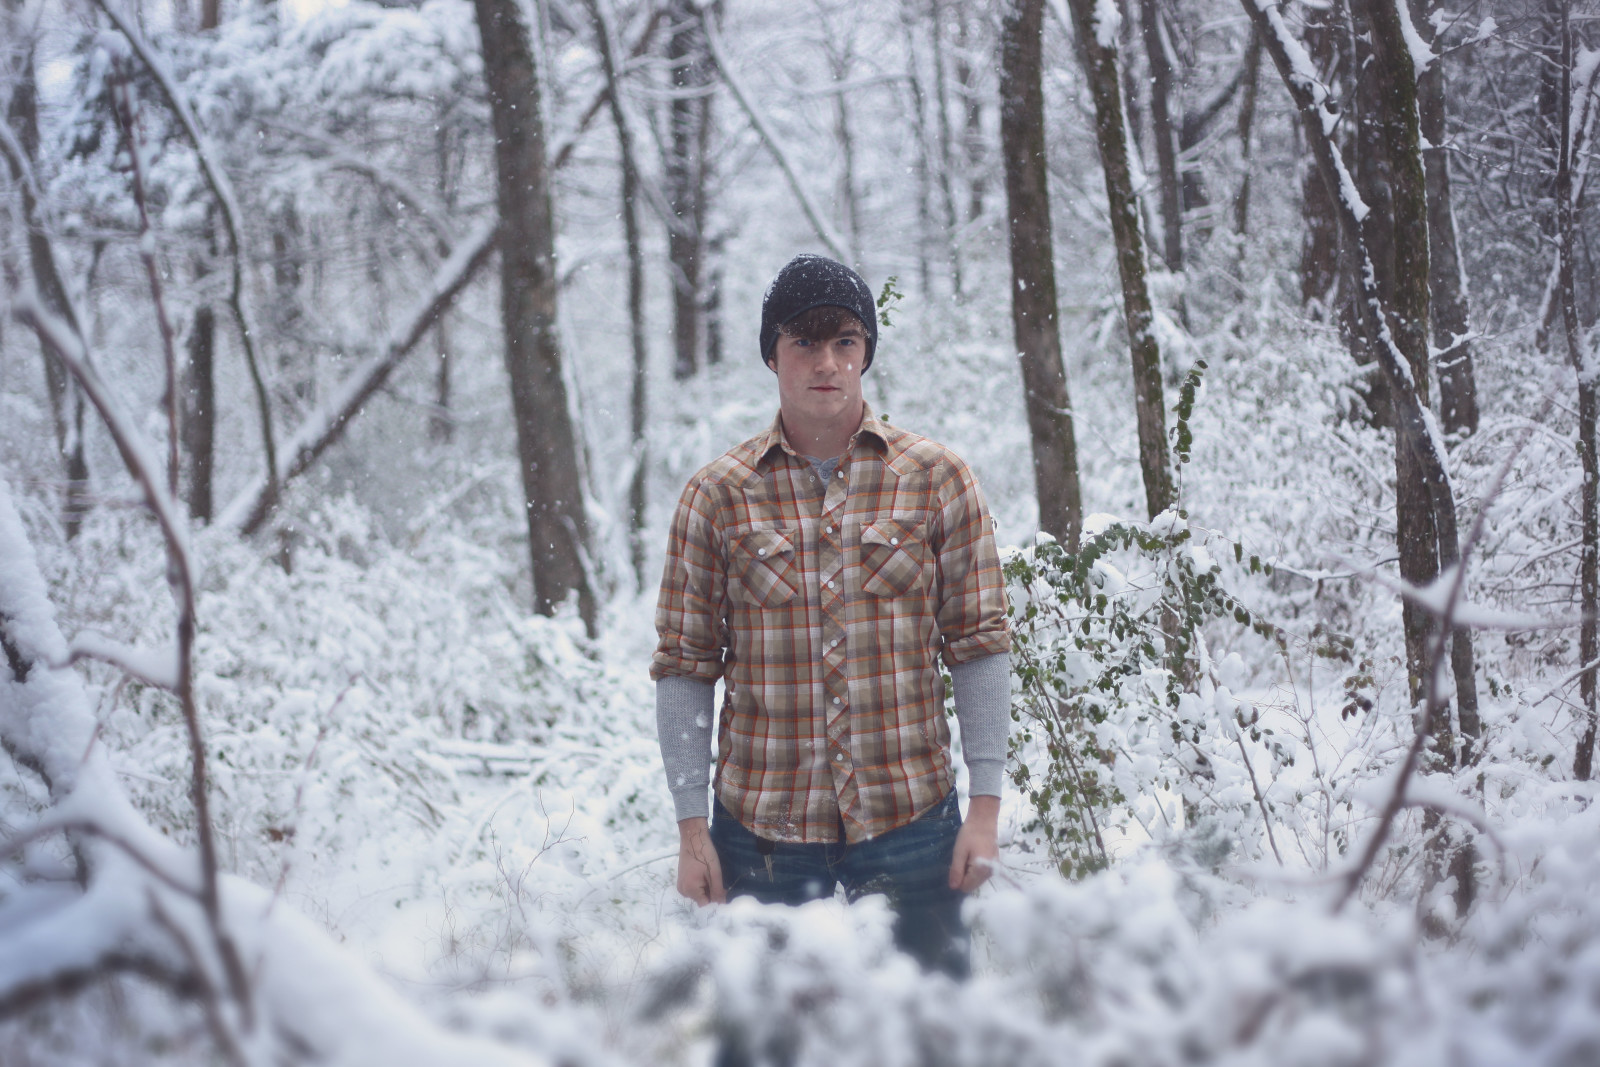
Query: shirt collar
point(872, 431)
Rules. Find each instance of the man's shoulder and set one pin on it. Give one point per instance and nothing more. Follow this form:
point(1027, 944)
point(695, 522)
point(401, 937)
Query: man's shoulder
point(908, 452)
point(735, 467)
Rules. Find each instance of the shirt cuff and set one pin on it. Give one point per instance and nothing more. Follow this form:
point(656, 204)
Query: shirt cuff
point(985, 777)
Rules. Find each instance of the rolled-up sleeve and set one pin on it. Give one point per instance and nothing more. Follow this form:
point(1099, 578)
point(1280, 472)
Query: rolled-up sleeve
point(972, 595)
point(691, 606)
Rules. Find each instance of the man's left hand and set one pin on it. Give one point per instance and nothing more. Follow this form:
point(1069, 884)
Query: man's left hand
point(976, 848)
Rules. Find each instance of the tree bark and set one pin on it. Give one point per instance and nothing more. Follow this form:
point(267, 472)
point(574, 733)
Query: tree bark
point(972, 107)
point(1585, 366)
point(1451, 314)
point(1033, 278)
point(1100, 68)
point(558, 529)
point(841, 63)
point(1416, 454)
point(1245, 127)
point(200, 412)
point(685, 177)
point(636, 326)
point(67, 405)
point(1320, 272)
point(924, 160)
point(1165, 131)
point(1426, 523)
point(947, 195)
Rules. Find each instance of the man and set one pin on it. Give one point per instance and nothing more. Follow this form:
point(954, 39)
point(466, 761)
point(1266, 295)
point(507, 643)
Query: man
point(821, 569)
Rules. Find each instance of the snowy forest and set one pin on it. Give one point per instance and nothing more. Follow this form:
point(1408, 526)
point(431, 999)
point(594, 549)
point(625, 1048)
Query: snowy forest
point(354, 353)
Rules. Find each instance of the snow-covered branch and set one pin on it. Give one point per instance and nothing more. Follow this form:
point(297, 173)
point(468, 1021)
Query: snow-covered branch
point(228, 202)
point(825, 234)
point(152, 666)
point(324, 426)
point(134, 912)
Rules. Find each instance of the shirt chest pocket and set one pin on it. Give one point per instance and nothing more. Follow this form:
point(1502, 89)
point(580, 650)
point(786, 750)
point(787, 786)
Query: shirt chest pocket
point(764, 563)
point(892, 554)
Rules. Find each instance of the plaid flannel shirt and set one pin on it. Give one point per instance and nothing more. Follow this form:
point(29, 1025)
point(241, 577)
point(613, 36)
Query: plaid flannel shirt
point(824, 609)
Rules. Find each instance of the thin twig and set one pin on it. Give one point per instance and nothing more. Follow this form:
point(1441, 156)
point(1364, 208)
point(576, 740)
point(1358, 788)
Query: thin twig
point(325, 426)
point(228, 202)
point(123, 109)
point(74, 355)
point(50, 827)
point(825, 233)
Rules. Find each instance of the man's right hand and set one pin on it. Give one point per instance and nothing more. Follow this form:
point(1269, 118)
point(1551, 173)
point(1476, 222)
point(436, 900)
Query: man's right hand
point(699, 871)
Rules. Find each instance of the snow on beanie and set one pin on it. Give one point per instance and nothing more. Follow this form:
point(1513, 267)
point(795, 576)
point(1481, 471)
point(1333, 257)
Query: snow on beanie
point(809, 281)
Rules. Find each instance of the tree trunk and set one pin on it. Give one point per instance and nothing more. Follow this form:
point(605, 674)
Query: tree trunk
point(1100, 68)
point(1588, 411)
point(1247, 119)
point(1398, 336)
point(972, 105)
point(441, 424)
point(1033, 284)
point(1458, 392)
point(66, 399)
point(546, 437)
point(924, 163)
point(941, 92)
point(685, 178)
point(636, 325)
point(200, 412)
point(1321, 279)
point(842, 64)
point(1165, 131)
point(1396, 136)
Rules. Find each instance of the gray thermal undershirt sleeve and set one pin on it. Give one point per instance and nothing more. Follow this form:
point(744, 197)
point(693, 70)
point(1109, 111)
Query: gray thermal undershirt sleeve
point(983, 708)
point(683, 725)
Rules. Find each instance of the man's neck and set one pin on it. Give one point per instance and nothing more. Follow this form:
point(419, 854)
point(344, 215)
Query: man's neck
point(820, 440)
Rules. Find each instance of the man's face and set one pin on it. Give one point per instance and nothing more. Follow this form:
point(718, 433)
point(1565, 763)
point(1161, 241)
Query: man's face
point(820, 381)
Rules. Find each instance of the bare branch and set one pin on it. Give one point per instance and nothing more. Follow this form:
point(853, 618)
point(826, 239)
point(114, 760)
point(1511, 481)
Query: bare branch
point(74, 355)
point(563, 151)
point(324, 427)
point(69, 982)
point(123, 108)
point(824, 232)
point(50, 826)
point(337, 157)
point(222, 189)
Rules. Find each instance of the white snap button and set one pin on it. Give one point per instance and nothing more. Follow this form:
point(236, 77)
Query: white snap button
point(836, 700)
point(840, 474)
point(894, 540)
point(761, 552)
point(838, 755)
point(830, 529)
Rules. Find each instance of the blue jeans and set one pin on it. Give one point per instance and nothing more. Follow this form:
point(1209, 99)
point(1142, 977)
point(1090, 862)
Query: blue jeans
point(910, 865)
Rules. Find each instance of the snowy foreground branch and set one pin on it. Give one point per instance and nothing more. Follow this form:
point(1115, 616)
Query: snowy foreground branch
point(130, 902)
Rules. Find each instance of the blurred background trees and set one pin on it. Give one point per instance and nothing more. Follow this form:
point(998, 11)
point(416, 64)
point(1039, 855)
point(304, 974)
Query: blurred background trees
point(1314, 281)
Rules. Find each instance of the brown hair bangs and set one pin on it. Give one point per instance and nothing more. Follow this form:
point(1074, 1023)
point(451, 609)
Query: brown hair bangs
point(823, 324)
